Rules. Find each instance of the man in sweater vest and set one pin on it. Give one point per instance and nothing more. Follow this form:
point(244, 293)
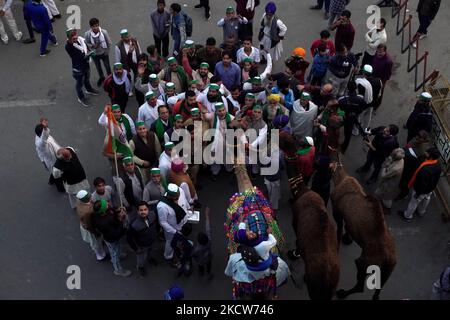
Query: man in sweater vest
point(423, 183)
point(176, 74)
point(129, 185)
point(146, 149)
point(118, 86)
point(127, 51)
point(69, 168)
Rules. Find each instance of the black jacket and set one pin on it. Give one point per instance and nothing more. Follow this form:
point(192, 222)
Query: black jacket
point(108, 225)
point(420, 119)
point(141, 235)
point(383, 145)
point(427, 179)
point(80, 61)
point(428, 8)
point(73, 171)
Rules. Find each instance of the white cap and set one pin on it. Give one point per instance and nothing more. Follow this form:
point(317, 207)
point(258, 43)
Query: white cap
point(172, 100)
point(153, 76)
point(310, 141)
point(170, 85)
point(123, 31)
point(172, 189)
point(426, 96)
point(82, 194)
point(189, 42)
point(247, 86)
point(368, 68)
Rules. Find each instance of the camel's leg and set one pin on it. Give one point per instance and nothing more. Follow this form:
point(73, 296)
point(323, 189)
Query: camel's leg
point(360, 280)
point(339, 219)
point(385, 274)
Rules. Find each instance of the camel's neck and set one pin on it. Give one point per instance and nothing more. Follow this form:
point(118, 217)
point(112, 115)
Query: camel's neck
point(339, 175)
point(244, 182)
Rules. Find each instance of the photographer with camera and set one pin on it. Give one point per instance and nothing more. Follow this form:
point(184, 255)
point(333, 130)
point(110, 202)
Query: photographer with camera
point(345, 32)
point(380, 147)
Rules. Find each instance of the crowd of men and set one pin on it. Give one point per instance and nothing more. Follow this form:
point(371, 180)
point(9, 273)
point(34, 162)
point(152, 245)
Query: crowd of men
point(322, 92)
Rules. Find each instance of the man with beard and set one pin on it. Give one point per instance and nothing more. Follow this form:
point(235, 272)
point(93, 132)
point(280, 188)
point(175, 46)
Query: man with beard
point(118, 86)
point(146, 149)
point(184, 107)
point(302, 116)
point(272, 33)
point(340, 69)
point(189, 51)
point(201, 75)
point(129, 185)
point(124, 120)
point(148, 112)
point(127, 52)
point(173, 134)
point(210, 98)
point(174, 73)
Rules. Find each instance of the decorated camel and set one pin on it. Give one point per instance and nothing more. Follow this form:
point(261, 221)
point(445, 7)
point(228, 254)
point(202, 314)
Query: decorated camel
point(253, 238)
point(316, 234)
point(364, 222)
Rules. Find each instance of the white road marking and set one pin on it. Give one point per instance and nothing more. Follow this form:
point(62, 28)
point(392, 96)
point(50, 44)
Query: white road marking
point(27, 103)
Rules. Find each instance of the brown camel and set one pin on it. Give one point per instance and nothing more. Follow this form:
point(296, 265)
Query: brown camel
point(364, 222)
point(316, 234)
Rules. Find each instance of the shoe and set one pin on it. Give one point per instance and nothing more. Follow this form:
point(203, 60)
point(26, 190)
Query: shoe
point(55, 44)
point(84, 102)
point(18, 36)
point(422, 36)
point(414, 45)
point(52, 20)
point(93, 92)
point(207, 18)
point(58, 16)
point(123, 273)
point(130, 94)
point(29, 40)
point(46, 52)
point(100, 82)
point(361, 170)
point(402, 215)
point(141, 272)
point(315, 8)
point(5, 39)
point(198, 6)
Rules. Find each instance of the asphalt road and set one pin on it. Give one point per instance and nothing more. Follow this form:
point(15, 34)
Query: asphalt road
point(39, 234)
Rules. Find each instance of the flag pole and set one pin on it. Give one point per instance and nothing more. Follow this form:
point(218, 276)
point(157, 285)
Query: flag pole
point(111, 132)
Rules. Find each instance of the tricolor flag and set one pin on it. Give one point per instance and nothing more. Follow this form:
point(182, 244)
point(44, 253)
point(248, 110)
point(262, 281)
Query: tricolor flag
point(117, 141)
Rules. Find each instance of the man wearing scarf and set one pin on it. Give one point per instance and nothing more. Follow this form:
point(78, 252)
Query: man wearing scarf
point(172, 213)
point(272, 33)
point(220, 123)
point(148, 112)
point(146, 149)
point(169, 93)
point(77, 49)
point(154, 84)
point(260, 141)
point(210, 98)
point(178, 176)
point(302, 114)
point(273, 109)
point(162, 124)
point(124, 120)
point(154, 189)
point(129, 185)
point(98, 39)
point(202, 74)
point(184, 107)
point(423, 183)
point(127, 51)
point(118, 86)
point(176, 74)
point(173, 134)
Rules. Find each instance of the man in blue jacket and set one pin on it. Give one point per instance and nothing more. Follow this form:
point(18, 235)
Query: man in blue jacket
point(37, 13)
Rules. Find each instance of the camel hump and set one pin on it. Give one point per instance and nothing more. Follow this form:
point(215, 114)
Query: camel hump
point(378, 214)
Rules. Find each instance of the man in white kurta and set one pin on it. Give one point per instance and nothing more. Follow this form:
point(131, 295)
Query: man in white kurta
point(268, 20)
point(165, 159)
point(168, 218)
point(148, 112)
point(123, 119)
point(46, 145)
